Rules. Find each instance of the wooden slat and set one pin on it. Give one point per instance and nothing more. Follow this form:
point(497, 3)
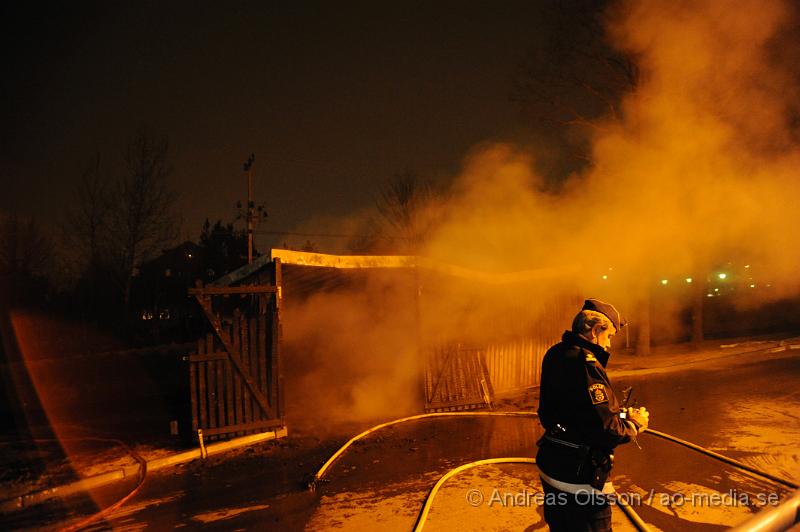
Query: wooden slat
point(269, 348)
point(276, 337)
point(231, 290)
point(230, 413)
point(460, 376)
point(448, 381)
point(472, 379)
point(471, 375)
point(263, 357)
point(525, 363)
point(254, 426)
point(252, 342)
point(193, 390)
point(465, 369)
point(250, 362)
point(457, 376)
point(440, 382)
point(464, 403)
point(211, 385)
point(484, 370)
point(237, 379)
point(438, 360)
point(431, 370)
point(220, 396)
point(467, 377)
point(426, 375)
point(322, 260)
point(243, 349)
point(201, 392)
point(439, 385)
point(441, 368)
point(208, 357)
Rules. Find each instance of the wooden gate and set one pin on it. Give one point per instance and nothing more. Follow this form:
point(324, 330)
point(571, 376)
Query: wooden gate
point(456, 378)
point(235, 375)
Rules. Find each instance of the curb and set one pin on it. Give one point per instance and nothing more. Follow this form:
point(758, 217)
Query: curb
point(688, 364)
point(25, 501)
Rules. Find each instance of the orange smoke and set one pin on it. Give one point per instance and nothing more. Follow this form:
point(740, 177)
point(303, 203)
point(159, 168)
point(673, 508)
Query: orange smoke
point(699, 169)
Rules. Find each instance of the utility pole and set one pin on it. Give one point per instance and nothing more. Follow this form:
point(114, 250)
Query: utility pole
point(252, 214)
point(248, 167)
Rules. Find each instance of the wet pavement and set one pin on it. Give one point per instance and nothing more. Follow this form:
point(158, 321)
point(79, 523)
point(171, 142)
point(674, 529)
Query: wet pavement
point(384, 481)
point(750, 412)
point(747, 409)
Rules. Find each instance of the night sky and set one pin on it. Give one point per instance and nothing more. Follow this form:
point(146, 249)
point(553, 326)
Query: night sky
point(333, 98)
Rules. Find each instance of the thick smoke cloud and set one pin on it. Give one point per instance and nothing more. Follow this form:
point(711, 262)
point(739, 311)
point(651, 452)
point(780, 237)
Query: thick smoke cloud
point(701, 167)
point(699, 170)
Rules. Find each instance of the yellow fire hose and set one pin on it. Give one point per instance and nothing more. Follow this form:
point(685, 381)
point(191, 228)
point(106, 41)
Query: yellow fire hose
point(337, 454)
point(82, 523)
point(721, 458)
point(632, 516)
point(423, 514)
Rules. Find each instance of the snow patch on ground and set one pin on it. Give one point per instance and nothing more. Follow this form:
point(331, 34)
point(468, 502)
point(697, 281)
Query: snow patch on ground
point(226, 513)
point(770, 429)
point(699, 504)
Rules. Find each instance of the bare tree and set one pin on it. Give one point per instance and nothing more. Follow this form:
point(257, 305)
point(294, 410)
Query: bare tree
point(571, 78)
point(87, 227)
point(24, 250)
point(404, 214)
point(142, 221)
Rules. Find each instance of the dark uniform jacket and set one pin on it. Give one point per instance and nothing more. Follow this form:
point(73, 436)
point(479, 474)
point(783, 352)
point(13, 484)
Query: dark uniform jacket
point(580, 413)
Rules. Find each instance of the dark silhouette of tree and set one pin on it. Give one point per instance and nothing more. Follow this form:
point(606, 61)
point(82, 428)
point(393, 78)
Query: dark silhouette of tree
point(119, 222)
point(88, 222)
point(404, 220)
point(86, 234)
point(224, 248)
point(24, 250)
point(89, 219)
point(24, 256)
point(308, 247)
point(570, 79)
point(142, 221)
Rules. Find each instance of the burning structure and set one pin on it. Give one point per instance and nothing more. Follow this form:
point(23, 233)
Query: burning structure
point(366, 337)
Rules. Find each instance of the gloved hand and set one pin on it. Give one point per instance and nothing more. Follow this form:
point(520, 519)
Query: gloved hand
point(640, 416)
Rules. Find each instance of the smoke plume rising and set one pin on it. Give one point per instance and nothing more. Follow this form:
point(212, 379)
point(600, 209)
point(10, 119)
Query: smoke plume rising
point(698, 172)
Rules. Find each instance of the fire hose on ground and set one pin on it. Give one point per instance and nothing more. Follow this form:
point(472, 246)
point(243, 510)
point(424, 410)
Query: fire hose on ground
point(423, 514)
point(722, 458)
point(110, 509)
point(318, 477)
point(632, 516)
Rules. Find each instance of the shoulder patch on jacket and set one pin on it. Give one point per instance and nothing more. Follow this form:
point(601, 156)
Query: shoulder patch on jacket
point(598, 393)
point(590, 358)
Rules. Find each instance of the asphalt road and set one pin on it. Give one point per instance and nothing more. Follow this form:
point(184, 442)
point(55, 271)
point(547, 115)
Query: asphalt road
point(745, 409)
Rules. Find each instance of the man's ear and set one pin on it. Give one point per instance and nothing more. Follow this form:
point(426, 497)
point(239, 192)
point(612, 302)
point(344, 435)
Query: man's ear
point(596, 330)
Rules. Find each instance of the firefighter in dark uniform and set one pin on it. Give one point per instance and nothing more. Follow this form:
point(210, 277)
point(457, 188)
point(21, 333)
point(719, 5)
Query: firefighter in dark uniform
point(583, 422)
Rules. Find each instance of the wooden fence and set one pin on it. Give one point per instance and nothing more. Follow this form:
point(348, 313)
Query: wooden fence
point(517, 365)
point(235, 375)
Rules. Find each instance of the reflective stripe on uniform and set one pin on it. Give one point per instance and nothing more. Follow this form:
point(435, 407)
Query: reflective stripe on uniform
point(608, 487)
